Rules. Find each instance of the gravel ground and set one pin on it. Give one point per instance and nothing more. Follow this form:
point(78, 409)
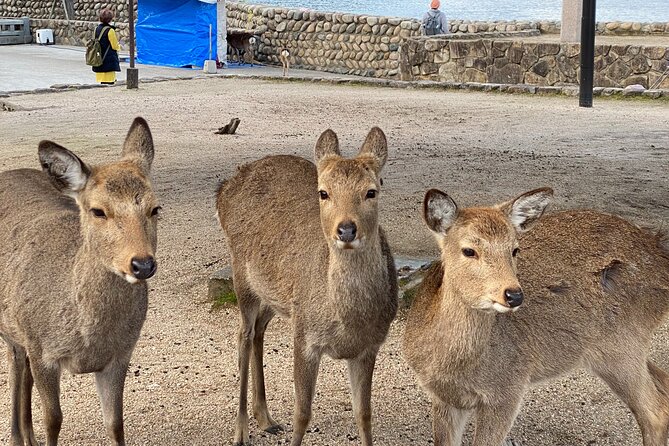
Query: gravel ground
point(481, 148)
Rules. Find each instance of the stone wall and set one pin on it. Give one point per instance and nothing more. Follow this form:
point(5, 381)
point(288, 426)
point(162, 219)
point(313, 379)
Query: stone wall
point(76, 31)
point(553, 27)
point(342, 43)
point(487, 58)
point(84, 10)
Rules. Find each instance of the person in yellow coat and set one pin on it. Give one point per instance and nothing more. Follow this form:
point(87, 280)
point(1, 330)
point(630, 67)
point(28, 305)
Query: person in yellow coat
point(106, 73)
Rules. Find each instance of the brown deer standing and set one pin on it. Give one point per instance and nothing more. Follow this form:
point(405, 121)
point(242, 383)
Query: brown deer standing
point(596, 288)
point(77, 243)
point(325, 266)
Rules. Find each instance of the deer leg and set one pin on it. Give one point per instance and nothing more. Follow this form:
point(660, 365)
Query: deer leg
point(448, 423)
point(360, 371)
point(26, 406)
point(260, 411)
point(306, 363)
point(494, 421)
point(248, 306)
point(109, 383)
point(47, 381)
point(644, 387)
point(16, 361)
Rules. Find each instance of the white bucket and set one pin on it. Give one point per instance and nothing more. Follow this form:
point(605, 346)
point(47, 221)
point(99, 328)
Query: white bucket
point(209, 66)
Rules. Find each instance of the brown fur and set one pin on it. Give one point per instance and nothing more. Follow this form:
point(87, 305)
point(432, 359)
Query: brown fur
point(287, 259)
point(596, 288)
point(240, 48)
point(66, 301)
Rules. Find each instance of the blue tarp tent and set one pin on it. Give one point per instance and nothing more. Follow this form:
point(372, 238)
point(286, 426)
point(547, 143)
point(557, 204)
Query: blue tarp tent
point(175, 33)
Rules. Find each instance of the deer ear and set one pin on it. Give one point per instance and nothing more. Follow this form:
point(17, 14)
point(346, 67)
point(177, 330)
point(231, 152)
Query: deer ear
point(327, 145)
point(138, 145)
point(67, 172)
point(525, 211)
point(439, 211)
point(376, 146)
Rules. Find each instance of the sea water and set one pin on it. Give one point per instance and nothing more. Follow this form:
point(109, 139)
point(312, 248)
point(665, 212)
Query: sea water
point(607, 10)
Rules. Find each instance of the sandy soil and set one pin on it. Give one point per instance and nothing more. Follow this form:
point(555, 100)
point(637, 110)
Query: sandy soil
point(481, 148)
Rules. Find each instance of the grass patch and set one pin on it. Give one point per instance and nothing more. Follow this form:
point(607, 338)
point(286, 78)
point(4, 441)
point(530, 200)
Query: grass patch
point(225, 299)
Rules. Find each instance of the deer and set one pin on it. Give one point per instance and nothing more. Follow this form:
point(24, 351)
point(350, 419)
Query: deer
point(503, 309)
point(284, 58)
point(306, 244)
point(77, 245)
point(241, 47)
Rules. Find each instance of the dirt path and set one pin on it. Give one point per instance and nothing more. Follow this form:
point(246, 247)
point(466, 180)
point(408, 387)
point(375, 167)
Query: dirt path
point(481, 148)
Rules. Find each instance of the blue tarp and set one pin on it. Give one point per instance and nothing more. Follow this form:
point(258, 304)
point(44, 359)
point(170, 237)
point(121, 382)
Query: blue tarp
point(175, 33)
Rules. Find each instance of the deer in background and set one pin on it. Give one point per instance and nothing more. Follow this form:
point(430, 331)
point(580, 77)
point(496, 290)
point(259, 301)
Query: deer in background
point(284, 58)
point(77, 243)
point(306, 244)
point(590, 291)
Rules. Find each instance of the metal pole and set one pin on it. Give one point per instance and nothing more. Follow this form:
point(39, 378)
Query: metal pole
point(587, 53)
point(132, 74)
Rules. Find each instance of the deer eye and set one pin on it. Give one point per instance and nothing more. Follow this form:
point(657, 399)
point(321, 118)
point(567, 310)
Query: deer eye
point(98, 213)
point(469, 252)
point(324, 195)
point(371, 193)
point(515, 252)
point(155, 211)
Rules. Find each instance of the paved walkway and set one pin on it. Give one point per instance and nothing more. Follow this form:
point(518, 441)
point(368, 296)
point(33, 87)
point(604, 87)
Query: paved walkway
point(29, 67)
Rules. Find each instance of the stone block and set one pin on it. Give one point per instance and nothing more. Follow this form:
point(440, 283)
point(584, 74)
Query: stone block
point(530, 60)
point(567, 67)
point(474, 75)
point(516, 52)
point(571, 49)
point(638, 79)
point(618, 71)
point(499, 48)
point(447, 72)
point(546, 49)
point(429, 68)
point(510, 73)
point(602, 50)
point(220, 288)
point(654, 94)
point(541, 68)
point(654, 52)
point(640, 64)
point(535, 79)
point(442, 56)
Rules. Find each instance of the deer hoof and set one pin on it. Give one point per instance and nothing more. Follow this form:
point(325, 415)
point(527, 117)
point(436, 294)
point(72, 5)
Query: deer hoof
point(275, 430)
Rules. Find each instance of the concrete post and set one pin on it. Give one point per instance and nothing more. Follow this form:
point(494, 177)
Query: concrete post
point(132, 73)
point(570, 30)
point(221, 32)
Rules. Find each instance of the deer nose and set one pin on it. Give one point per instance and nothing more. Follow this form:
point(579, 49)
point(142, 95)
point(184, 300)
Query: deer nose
point(514, 297)
point(346, 231)
point(143, 268)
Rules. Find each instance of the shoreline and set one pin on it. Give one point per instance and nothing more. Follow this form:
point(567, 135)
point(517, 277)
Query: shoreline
point(602, 14)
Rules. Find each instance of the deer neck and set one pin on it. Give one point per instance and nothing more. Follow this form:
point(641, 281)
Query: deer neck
point(464, 331)
point(354, 276)
point(95, 287)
